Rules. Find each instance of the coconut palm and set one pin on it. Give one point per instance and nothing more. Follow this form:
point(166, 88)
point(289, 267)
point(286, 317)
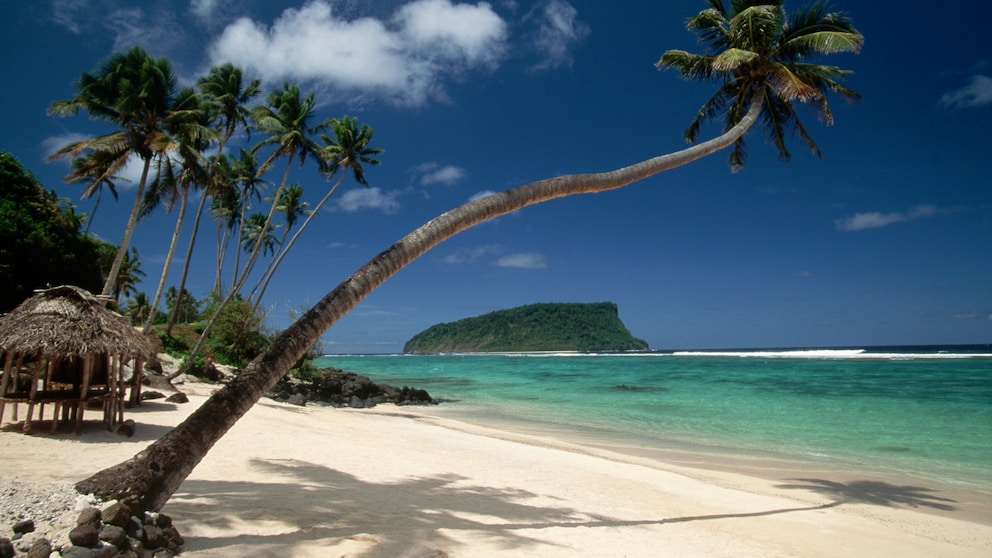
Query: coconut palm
point(180, 171)
point(292, 207)
point(135, 92)
point(153, 475)
point(91, 169)
point(129, 275)
point(346, 151)
point(286, 121)
point(759, 56)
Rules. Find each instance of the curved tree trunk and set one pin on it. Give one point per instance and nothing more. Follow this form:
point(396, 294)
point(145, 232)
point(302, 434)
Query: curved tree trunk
point(150, 478)
point(189, 257)
point(115, 268)
point(168, 263)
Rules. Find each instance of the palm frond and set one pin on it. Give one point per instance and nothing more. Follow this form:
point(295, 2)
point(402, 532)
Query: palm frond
point(688, 65)
point(733, 58)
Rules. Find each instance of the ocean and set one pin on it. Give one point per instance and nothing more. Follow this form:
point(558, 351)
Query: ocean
point(922, 412)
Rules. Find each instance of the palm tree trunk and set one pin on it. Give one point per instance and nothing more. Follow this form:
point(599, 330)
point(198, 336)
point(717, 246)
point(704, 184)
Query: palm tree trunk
point(286, 247)
point(115, 268)
point(168, 262)
point(150, 478)
point(189, 256)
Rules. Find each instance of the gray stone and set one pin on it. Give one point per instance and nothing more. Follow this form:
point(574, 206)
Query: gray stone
point(297, 399)
point(114, 535)
point(6, 548)
point(178, 397)
point(153, 537)
point(149, 395)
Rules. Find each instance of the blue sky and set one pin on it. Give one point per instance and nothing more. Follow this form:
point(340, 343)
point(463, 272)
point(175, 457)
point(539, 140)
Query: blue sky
point(886, 240)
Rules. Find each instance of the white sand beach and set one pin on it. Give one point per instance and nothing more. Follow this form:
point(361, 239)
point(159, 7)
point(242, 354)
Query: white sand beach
point(412, 483)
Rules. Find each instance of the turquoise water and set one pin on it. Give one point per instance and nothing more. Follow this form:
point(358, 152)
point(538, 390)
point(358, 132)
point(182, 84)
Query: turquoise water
point(921, 411)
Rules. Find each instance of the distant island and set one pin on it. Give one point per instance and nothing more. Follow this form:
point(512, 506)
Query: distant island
point(535, 327)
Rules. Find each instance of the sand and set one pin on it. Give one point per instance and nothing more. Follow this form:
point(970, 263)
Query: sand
point(415, 483)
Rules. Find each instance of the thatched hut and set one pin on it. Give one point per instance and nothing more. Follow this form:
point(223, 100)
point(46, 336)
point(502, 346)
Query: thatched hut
point(63, 346)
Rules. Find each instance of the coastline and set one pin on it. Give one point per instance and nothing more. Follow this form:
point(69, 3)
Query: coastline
point(400, 481)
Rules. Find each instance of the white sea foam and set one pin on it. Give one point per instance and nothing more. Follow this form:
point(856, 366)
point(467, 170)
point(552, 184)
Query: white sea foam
point(830, 354)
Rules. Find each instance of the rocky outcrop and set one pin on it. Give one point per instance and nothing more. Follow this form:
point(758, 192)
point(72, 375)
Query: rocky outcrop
point(338, 388)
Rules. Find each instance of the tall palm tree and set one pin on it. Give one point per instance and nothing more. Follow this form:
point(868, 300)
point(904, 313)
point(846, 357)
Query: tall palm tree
point(286, 120)
point(150, 478)
point(91, 169)
point(129, 276)
point(183, 169)
point(138, 308)
point(292, 207)
point(134, 91)
point(346, 151)
point(225, 98)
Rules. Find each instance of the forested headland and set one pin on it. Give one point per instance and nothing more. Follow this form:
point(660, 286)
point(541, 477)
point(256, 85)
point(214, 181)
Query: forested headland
point(535, 327)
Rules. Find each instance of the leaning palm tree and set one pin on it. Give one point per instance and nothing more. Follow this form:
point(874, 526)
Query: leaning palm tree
point(135, 92)
point(150, 477)
point(183, 169)
point(347, 151)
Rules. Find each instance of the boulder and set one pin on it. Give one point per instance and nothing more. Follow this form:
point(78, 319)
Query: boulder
point(90, 516)
point(7, 548)
point(178, 397)
point(85, 535)
point(114, 535)
point(117, 514)
point(24, 527)
point(40, 548)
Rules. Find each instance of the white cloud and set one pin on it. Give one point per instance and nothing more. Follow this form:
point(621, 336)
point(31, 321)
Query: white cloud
point(433, 173)
point(403, 59)
point(67, 14)
point(205, 9)
point(559, 30)
point(359, 199)
point(876, 220)
point(526, 260)
point(470, 255)
point(977, 93)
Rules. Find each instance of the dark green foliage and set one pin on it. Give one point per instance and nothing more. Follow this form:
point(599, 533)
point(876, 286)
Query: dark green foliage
point(536, 327)
point(40, 242)
point(237, 337)
point(188, 307)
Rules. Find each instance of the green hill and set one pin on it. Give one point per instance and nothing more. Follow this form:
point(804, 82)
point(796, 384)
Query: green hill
point(536, 327)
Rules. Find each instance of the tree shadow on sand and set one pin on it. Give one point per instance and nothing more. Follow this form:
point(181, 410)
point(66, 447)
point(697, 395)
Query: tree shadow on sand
point(414, 516)
point(875, 492)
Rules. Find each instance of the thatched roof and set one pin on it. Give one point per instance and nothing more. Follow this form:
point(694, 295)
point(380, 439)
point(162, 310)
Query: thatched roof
point(67, 321)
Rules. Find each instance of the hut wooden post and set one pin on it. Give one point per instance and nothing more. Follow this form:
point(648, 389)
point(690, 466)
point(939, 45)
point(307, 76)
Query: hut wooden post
point(83, 391)
point(5, 381)
point(32, 397)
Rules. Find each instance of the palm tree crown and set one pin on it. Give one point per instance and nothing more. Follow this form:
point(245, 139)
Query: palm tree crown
point(759, 54)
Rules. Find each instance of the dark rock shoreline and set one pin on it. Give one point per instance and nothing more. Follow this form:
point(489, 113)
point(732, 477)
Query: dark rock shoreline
point(337, 388)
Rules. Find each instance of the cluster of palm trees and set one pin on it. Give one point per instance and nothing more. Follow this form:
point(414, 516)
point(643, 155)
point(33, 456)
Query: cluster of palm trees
point(181, 137)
